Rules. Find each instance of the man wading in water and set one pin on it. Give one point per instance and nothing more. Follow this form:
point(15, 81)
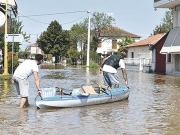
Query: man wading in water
point(20, 78)
point(109, 67)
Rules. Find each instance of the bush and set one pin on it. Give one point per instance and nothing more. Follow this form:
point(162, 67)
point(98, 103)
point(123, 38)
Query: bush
point(15, 62)
point(92, 64)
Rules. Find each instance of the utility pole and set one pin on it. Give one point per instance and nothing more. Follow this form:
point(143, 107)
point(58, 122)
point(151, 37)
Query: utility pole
point(36, 44)
point(88, 44)
point(5, 45)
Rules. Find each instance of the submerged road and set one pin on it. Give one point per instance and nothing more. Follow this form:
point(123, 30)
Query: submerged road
point(152, 107)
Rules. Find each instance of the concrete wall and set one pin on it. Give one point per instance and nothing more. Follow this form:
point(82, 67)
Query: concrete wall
point(136, 50)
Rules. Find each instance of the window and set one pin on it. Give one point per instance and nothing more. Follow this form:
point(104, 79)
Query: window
point(132, 54)
point(114, 44)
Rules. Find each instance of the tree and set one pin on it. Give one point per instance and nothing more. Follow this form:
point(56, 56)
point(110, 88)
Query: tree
point(78, 33)
point(15, 62)
point(54, 41)
point(16, 28)
point(124, 42)
point(23, 54)
point(100, 22)
point(166, 23)
point(73, 54)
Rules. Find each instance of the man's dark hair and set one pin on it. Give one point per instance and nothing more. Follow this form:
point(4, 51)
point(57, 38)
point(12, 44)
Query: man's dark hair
point(38, 57)
point(123, 54)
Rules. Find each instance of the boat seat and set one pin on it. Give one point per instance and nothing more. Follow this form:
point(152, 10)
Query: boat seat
point(89, 89)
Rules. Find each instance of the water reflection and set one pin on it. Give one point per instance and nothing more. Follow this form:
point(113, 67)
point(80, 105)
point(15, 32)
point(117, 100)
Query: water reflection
point(52, 66)
point(4, 90)
point(159, 79)
point(152, 107)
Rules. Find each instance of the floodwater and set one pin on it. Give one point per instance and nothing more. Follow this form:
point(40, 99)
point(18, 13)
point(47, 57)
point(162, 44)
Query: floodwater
point(152, 108)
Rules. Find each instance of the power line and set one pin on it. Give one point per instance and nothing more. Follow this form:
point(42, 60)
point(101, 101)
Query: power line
point(54, 13)
point(27, 16)
point(33, 19)
point(74, 20)
point(48, 23)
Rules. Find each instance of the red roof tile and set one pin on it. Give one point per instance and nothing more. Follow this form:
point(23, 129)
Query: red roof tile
point(152, 40)
point(33, 44)
point(117, 32)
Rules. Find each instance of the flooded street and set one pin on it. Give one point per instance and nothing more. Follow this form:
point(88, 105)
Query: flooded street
point(152, 108)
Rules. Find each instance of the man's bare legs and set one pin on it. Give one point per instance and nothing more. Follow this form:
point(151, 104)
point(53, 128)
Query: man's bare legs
point(27, 103)
point(24, 102)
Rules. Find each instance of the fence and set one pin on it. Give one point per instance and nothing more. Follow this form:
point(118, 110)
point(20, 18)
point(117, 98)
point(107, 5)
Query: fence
point(130, 61)
point(136, 61)
point(144, 55)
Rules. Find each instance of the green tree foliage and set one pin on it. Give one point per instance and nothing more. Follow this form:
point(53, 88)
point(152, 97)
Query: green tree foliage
point(23, 54)
point(166, 23)
point(15, 62)
point(124, 42)
point(99, 23)
point(54, 41)
point(93, 64)
point(78, 33)
point(16, 28)
point(73, 54)
point(94, 55)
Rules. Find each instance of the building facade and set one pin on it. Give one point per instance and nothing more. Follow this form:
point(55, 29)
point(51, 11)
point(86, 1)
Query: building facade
point(172, 43)
point(108, 43)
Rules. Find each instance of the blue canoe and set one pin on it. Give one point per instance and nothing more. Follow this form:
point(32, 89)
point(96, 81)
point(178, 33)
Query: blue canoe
point(50, 98)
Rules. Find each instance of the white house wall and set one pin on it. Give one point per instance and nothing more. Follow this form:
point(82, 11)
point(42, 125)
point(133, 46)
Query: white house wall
point(136, 50)
point(178, 18)
point(107, 45)
point(176, 21)
point(80, 46)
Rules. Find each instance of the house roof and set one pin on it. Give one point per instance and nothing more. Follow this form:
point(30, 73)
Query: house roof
point(117, 32)
point(33, 45)
point(152, 40)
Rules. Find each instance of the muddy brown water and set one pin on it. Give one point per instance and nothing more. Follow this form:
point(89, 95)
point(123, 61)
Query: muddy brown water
point(152, 108)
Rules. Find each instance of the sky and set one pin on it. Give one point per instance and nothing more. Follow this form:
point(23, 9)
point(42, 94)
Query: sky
point(136, 16)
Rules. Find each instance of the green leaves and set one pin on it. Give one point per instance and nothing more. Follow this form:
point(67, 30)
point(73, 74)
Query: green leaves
point(124, 42)
point(16, 28)
point(54, 40)
point(166, 24)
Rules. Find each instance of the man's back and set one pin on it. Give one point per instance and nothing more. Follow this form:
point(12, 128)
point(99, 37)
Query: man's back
point(25, 69)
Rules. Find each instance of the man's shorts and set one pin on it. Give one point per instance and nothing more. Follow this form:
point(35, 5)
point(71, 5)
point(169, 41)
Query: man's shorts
point(110, 79)
point(22, 86)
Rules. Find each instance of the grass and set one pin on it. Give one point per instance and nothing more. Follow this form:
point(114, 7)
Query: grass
point(93, 64)
point(5, 77)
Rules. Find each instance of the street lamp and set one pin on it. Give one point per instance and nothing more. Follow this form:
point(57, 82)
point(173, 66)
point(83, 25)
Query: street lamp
point(88, 48)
